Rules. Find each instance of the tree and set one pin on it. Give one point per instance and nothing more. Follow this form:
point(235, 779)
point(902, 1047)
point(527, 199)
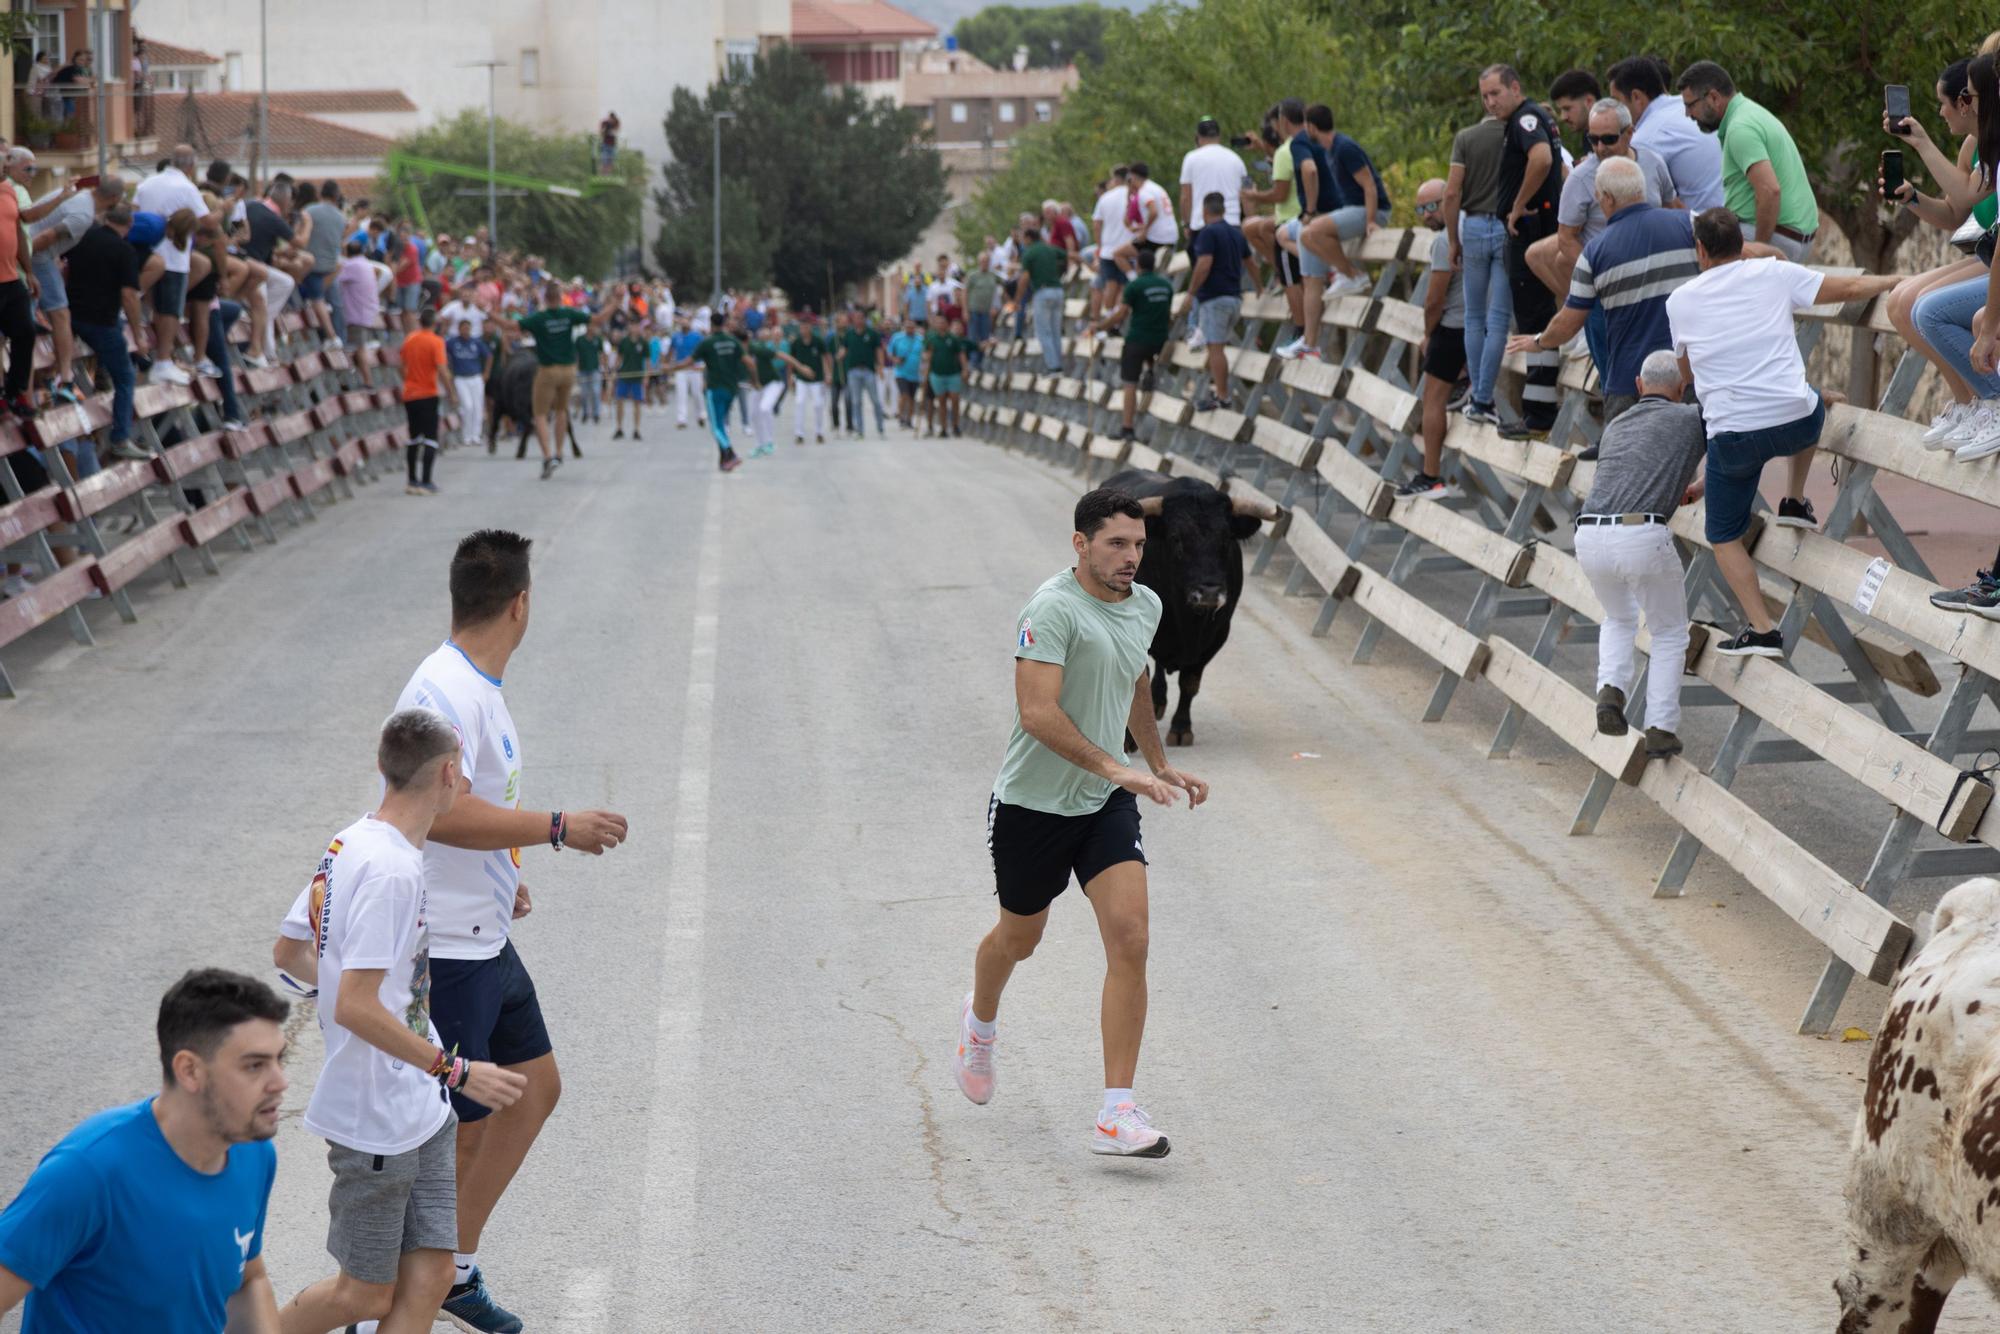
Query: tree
point(1163, 70)
point(1063, 35)
point(820, 186)
point(580, 236)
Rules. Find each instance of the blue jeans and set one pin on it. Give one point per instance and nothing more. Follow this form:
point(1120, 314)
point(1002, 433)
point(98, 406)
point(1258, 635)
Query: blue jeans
point(979, 328)
point(1048, 326)
point(107, 341)
point(225, 314)
point(1489, 300)
point(589, 389)
point(1944, 318)
point(859, 383)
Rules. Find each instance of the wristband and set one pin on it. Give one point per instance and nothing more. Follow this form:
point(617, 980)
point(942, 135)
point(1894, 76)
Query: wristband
point(440, 1065)
point(558, 830)
point(454, 1078)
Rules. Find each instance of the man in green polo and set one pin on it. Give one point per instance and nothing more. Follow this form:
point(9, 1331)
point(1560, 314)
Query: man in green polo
point(725, 362)
point(860, 355)
point(556, 330)
point(944, 372)
point(814, 356)
point(1045, 264)
point(1763, 177)
point(1149, 302)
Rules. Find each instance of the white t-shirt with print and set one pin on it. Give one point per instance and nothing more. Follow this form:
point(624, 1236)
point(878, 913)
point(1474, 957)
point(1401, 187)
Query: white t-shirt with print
point(1734, 325)
point(471, 893)
point(1161, 230)
point(1213, 169)
point(366, 906)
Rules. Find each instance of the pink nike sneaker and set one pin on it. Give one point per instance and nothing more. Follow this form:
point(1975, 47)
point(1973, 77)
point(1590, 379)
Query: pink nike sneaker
point(972, 1062)
point(1127, 1132)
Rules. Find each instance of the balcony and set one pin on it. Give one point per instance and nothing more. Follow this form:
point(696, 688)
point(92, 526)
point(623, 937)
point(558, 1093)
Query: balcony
point(60, 124)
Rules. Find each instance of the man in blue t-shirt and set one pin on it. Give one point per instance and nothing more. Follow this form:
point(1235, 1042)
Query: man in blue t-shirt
point(1219, 251)
point(906, 349)
point(465, 357)
point(151, 1216)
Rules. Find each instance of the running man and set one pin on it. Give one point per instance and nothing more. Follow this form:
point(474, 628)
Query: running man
point(151, 1216)
point(631, 384)
point(771, 361)
point(483, 1001)
point(725, 361)
point(555, 329)
point(359, 933)
point(423, 365)
point(812, 363)
point(1064, 802)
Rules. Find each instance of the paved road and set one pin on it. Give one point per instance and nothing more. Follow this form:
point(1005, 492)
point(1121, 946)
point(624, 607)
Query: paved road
point(1426, 1064)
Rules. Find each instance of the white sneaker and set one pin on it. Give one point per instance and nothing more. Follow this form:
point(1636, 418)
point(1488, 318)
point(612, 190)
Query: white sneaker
point(1290, 350)
point(1986, 441)
point(255, 362)
point(972, 1062)
point(16, 585)
point(1194, 342)
point(1127, 1132)
point(1945, 423)
point(165, 372)
point(207, 369)
point(1348, 285)
point(1973, 424)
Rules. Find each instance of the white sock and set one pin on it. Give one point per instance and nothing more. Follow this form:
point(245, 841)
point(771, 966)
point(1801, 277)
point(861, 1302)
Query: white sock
point(367, 1327)
point(982, 1029)
point(462, 1267)
point(1112, 1097)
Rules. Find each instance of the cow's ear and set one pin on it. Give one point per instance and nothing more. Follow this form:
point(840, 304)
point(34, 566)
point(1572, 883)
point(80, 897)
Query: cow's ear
point(1244, 526)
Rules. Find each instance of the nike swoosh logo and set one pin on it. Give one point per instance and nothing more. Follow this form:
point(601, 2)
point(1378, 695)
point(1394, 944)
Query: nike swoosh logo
point(1107, 1130)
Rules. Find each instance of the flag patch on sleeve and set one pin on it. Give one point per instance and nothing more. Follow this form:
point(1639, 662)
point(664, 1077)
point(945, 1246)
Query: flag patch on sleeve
point(1027, 633)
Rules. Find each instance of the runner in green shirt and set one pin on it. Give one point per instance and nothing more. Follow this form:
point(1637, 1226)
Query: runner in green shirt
point(631, 382)
point(1149, 302)
point(556, 329)
point(1065, 801)
point(812, 360)
point(724, 360)
point(944, 372)
point(772, 364)
point(860, 356)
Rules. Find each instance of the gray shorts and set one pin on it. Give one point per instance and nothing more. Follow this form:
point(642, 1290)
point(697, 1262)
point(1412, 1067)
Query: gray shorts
point(1351, 222)
point(1217, 317)
point(384, 1205)
point(410, 297)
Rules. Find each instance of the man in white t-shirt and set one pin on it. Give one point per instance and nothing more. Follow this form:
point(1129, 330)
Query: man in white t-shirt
point(1107, 287)
point(1732, 329)
point(360, 931)
point(1210, 168)
point(460, 308)
point(1154, 228)
point(166, 193)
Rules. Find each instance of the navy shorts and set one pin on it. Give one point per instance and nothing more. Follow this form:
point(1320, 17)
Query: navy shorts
point(312, 287)
point(1035, 853)
point(1109, 274)
point(1736, 462)
point(488, 1011)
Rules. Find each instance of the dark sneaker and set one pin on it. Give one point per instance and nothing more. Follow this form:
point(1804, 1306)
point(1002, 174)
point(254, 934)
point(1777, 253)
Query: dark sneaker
point(1146, 380)
point(1127, 433)
point(731, 461)
point(636, 435)
point(1423, 484)
point(1460, 396)
point(619, 434)
point(430, 488)
point(472, 1308)
point(1750, 643)
point(1796, 514)
point(1481, 412)
point(1210, 403)
point(549, 466)
point(1522, 431)
point(1611, 711)
point(1587, 455)
point(1660, 744)
point(1984, 586)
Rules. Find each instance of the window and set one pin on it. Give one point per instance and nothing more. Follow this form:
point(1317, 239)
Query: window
point(47, 37)
point(1006, 113)
point(232, 72)
point(958, 113)
point(738, 55)
point(1043, 111)
point(531, 68)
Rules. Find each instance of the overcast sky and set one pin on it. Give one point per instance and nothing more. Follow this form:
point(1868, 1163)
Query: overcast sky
point(944, 13)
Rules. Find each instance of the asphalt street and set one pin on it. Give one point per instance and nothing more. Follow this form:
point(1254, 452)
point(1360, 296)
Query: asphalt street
point(1427, 1064)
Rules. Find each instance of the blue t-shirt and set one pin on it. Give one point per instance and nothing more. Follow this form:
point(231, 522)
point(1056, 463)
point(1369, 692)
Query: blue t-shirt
point(115, 1232)
point(1629, 269)
point(147, 229)
point(1348, 158)
point(1305, 150)
point(465, 355)
point(753, 319)
point(1227, 250)
point(908, 350)
point(684, 344)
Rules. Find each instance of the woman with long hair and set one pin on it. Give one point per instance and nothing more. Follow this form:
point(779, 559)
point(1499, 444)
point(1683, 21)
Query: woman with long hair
point(1944, 316)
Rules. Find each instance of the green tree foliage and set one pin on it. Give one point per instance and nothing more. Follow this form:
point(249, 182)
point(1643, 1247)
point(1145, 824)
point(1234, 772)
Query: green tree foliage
point(580, 236)
point(1164, 69)
point(1063, 35)
point(820, 186)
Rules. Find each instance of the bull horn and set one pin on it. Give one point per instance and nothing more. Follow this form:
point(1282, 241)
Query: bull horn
point(1152, 506)
point(1261, 506)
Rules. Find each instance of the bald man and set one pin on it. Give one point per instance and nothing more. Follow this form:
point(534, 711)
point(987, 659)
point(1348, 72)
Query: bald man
point(1444, 342)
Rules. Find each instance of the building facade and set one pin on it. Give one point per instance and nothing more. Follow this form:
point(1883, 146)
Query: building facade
point(868, 44)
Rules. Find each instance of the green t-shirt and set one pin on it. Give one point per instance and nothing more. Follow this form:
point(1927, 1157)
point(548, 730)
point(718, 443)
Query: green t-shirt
point(1282, 168)
point(589, 353)
point(769, 369)
point(721, 357)
point(1044, 264)
point(1985, 210)
point(1750, 135)
point(858, 348)
point(631, 357)
point(807, 349)
point(1151, 299)
point(944, 349)
point(979, 291)
point(1102, 648)
point(554, 331)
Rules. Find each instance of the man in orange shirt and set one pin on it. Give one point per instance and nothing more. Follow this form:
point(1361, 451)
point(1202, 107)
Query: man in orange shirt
point(423, 363)
point(17, 299)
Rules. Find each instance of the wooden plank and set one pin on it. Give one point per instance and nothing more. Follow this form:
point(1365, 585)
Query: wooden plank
point(1172, 411)
point(1564, 710)
point(1396, 409)
point(1442, 640)
point(1858, 930)
point(292, 426)
point(1319, 378)
point(141, 552)
point(1265, 308)
point(1053, 428)
point(1893, 445)
point(1352, 312)
point(46, 599)
point(30, 514)
point(1360, 485)
point(1899, 771)
point(57, 423)
point(1186, 467)
point(102, 490)
point(1401, 320)
point(217, 517)
point(1222, 424)
point(1531, 460)
point(270, 495)
point(1145, 456)
point(310, 477)
point(1108, 447)
point(1387, 244)
point(1468, 539)
point(189, 456)
point(1288, 443)
point(1559, 574)
point(1322, 558)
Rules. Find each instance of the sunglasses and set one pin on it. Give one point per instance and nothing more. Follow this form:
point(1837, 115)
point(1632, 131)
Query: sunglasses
point(1606, 139)
point(1429, 208)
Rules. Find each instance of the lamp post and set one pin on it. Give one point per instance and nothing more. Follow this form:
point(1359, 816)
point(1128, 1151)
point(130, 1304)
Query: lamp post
point(715, 301)
point(492, 197)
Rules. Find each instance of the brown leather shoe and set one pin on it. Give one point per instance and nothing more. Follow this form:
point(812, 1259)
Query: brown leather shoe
point(1611, 711)
point(1660, 744)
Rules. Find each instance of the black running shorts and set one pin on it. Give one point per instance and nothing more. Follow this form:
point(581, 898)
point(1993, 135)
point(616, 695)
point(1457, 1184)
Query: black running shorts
point(1035, 853)
point(487, 1010)
point(1445, 358)
point(1133, 361)
point(1288, 268)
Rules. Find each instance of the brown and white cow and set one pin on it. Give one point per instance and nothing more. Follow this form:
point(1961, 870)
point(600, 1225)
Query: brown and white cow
point(1923, 1183)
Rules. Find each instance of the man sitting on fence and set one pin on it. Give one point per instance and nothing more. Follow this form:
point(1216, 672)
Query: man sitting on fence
point(1733, 326)
point(1627, 551)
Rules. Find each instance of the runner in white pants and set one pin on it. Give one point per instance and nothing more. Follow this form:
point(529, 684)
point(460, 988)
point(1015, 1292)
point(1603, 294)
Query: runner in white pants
point(812, 369)
point(466, 357)
point(772, 363)
point(688, 383)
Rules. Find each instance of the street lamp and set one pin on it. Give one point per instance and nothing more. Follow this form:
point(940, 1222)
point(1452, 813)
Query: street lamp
point(715, 300)
point(492, 199)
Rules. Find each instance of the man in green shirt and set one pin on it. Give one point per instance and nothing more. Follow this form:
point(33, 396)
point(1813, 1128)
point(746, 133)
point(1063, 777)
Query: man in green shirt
point(860, 356)
point(555, 329)
point(631, 382)
point(812, 357)
point(944, 371)
point(1148, 301)
point(1763, 177)
point(1044, 265)
point(725, 360)
point(589, 381)
point(1064, 801)
point(982, 288)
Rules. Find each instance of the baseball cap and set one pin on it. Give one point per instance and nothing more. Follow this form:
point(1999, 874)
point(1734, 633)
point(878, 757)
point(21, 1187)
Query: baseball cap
point(1208, 125)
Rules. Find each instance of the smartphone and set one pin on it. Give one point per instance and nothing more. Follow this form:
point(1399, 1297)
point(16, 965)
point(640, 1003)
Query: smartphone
point(1896, 106)
point(1239, 141)
point(1892, 175)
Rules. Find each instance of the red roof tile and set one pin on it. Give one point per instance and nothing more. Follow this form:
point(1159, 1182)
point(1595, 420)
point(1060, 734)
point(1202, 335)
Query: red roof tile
point(225, 125)
point(159, 53)
point(835, 21)
point(334, 101)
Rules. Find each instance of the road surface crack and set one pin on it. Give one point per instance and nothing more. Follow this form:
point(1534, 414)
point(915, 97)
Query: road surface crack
point(933, 1137)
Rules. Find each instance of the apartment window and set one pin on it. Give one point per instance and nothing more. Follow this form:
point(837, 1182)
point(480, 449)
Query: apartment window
point(1006, 113)
point(958, 113)
point(1043, 111)
point(232, 71)
point(531, 68)
point(46, 35)
point(738, 56)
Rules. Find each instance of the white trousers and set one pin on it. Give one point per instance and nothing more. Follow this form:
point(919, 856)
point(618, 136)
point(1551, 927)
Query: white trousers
point(764, 412)
point(277, 291)
point(811, 394)
point(1636, 573)
point(688, 385)
point(471, 408)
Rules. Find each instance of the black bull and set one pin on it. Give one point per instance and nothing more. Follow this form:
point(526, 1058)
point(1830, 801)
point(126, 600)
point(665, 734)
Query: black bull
point(511, 394)
point(1194, 562)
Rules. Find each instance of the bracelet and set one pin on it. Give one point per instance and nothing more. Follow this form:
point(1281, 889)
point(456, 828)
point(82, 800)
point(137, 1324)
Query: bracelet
point(441, 1064)
point(558, 830)
point(454, 1078)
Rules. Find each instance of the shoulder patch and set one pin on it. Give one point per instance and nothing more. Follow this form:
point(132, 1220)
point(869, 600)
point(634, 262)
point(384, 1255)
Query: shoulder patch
point(1027, 636)
point(1530, 123)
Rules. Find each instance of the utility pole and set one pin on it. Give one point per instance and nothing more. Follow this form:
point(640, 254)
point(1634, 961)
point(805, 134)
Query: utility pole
point(103, 71)
point(720, 116)
point(264, 90)
point(492, 199)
